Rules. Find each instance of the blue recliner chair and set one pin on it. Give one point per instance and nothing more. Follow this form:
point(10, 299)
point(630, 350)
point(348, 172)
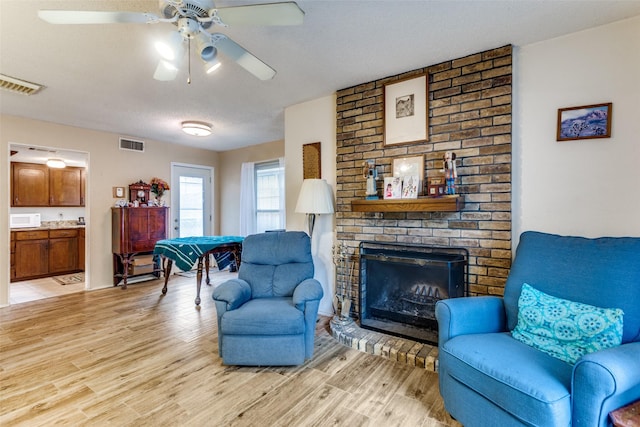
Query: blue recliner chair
point(267, 316)
point(488, 378)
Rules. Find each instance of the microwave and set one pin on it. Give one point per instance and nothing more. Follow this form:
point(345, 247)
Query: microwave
point(24, 220)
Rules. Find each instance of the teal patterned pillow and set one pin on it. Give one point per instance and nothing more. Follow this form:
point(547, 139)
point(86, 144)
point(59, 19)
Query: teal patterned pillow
point(565, 329)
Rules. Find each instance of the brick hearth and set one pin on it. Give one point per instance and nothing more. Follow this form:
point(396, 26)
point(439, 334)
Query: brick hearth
point(400, 350)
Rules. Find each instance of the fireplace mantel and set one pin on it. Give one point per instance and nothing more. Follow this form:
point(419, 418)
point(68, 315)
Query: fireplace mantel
point(422, 204)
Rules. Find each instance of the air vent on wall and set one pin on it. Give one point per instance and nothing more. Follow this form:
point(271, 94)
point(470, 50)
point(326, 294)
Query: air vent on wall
point(18, 86)
point(131, 145)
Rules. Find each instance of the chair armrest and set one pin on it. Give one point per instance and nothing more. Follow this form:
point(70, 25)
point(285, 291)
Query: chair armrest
point(307, 290)
point(234, 293)
point(604, 381)
point(469, 315)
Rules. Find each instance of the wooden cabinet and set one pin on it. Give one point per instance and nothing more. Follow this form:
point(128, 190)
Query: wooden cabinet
point(135, 231)
point(63, 251)
point(65, 187)
point(29, 184)
point(12, 250)
point(37, 185)
point(32, 254)
point(81, 249)
point(43, 253)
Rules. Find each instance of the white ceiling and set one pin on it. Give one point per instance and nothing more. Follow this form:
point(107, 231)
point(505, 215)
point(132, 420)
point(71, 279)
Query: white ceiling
point(100, 76)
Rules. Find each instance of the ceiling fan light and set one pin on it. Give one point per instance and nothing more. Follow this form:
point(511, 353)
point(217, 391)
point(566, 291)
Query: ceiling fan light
point(205, 46)
point(196, 128)
point(56, 163)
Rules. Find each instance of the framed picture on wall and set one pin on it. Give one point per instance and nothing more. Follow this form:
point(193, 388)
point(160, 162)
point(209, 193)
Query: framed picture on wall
point(586, 122)
point(405, 111)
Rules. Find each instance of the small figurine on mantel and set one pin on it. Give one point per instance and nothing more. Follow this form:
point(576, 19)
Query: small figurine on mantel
point(371, 174)
point(450, 173)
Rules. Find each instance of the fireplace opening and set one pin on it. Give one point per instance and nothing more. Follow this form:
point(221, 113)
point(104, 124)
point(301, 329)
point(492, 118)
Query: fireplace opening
point(400, 285)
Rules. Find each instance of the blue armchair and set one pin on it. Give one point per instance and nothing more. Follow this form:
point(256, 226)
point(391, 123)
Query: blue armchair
point(267, 316)
point(488, 378)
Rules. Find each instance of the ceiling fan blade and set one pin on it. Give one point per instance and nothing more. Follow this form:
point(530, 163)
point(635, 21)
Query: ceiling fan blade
point(245, 59)
point(165, 71)
point(95, 17)
point(286, 13)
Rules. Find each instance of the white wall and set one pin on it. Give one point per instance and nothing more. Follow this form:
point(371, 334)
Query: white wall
point(587, 187)
point(108, 167)
point(305, 123)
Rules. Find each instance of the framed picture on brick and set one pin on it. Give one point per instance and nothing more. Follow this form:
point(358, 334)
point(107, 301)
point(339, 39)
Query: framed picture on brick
point(406, 111)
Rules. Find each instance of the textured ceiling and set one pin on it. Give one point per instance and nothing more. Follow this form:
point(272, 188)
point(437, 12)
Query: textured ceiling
point(100, 76)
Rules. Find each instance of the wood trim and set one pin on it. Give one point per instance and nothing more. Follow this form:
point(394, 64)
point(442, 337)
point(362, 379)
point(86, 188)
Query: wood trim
point(422, 204)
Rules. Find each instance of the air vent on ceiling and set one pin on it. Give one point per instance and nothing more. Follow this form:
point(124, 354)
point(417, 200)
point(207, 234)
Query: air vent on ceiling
point(18, 86)
point(131, 145)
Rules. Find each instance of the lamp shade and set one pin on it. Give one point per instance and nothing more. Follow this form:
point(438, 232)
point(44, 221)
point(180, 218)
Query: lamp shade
point(315, 197)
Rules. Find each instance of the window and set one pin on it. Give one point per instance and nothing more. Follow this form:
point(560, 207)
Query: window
point(269, 195)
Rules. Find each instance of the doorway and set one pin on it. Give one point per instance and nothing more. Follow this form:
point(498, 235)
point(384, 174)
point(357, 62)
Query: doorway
point(53, 217)
point(191, 200)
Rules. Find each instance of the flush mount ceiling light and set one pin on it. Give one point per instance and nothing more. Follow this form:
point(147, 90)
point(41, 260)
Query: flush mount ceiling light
point(56, 163)
point(196, 128)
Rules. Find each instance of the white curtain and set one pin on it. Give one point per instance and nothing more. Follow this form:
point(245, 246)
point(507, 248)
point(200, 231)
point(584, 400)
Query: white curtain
point(281, 184)
point(247, 200)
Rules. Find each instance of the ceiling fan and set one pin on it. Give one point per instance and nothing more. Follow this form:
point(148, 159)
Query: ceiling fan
point(193, 18)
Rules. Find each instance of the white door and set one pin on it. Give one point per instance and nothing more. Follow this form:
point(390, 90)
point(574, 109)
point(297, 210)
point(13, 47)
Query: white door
point(191, 200)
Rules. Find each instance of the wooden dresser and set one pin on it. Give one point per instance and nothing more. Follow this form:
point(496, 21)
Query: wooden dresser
point(135, 232)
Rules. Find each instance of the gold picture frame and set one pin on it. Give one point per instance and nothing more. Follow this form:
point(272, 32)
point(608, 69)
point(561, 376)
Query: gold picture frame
point(406, 111)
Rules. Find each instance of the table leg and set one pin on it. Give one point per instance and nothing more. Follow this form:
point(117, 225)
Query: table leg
point(167, 271)
point(206, 265)
point(199, 279)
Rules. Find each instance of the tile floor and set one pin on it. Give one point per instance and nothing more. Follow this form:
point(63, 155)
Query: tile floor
point(31, 290)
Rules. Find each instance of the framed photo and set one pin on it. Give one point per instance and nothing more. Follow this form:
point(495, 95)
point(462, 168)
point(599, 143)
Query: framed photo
point(392, 188)
point(586, 122)
point(405, 111)
point(410, 166)
point(118, 192)
point(410, 187)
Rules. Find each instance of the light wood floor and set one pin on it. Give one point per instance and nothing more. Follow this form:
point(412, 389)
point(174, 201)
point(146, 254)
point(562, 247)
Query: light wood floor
point(114, 357)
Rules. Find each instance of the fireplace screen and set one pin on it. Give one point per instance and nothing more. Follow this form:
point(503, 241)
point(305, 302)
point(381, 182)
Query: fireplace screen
point(400, 285)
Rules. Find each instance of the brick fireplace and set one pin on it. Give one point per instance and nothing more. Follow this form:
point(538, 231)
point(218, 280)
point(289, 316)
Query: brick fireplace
point(469, 113)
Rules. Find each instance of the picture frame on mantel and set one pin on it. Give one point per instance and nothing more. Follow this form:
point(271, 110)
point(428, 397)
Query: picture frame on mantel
point(410, 166)
point(585, 122)
point(406, 111)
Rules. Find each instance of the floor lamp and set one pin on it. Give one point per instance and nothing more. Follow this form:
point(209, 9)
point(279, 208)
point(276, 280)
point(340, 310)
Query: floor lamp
point(315, 198)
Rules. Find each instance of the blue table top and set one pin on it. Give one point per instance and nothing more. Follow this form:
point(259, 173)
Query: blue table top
point(185, 251)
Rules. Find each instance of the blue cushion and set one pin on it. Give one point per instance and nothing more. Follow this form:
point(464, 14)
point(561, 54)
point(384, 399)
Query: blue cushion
point(275, 263)
point(264, 316)
point(512, 375)
point(565, 329)
point(591, 271)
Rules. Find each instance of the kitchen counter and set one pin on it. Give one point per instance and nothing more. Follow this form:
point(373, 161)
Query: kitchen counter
point(52, 225)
